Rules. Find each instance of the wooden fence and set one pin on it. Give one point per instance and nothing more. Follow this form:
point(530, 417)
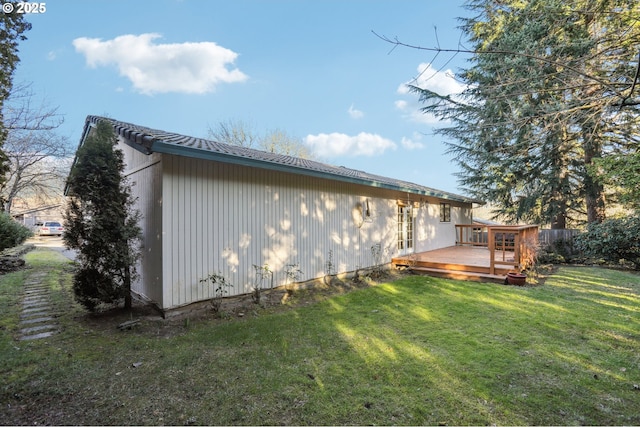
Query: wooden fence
point(549, 237)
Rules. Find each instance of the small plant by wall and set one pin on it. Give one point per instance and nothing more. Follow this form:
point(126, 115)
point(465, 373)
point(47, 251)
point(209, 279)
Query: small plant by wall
point(262, 274)
point(220, 286)
point(293, 274)
point(328, 265)
point(376, 254)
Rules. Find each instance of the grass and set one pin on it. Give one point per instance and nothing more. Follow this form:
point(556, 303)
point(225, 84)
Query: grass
point(417, 350)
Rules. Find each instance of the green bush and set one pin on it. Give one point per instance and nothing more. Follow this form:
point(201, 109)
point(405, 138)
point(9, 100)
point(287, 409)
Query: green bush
point(93, 287)
point(550, 257)
point(11, 233)
point(614, 240)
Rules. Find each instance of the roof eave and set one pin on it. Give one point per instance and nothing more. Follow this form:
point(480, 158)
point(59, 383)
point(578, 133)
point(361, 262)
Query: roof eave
point(161, 147)
point(148, 144)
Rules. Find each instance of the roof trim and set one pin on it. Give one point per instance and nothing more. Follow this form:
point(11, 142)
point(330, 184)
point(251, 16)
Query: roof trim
point(150, 141)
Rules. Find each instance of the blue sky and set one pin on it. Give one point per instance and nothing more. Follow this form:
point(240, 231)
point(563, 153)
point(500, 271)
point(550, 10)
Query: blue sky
point(311, 68)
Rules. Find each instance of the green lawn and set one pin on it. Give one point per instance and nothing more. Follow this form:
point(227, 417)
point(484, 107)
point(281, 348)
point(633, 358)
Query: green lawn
point(417, 350)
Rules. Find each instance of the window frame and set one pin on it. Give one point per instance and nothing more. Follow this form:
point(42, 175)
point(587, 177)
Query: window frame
point(445, 212)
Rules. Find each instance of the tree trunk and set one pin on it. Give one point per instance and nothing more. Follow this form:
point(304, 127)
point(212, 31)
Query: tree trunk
point(559, 221)
point(128, 300)
point(8, 201)
point(593, 190)
point(595, 201)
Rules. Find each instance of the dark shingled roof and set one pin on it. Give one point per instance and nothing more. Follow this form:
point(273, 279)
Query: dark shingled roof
point(150, 141)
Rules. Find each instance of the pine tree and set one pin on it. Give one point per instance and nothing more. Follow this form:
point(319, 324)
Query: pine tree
point(550, 90)
point(101, 223)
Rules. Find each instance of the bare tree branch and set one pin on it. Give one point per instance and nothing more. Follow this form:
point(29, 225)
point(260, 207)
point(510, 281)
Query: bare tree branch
point(633, 85)
point(39, 159)
point(602, 82)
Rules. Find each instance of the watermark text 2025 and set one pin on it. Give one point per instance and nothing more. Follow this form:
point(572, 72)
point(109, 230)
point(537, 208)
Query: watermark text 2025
point(24, 7)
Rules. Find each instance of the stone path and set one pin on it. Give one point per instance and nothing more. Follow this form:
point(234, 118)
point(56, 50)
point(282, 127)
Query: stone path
point(37, 319)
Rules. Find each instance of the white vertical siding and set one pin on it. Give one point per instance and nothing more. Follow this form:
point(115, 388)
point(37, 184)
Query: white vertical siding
point(210, 217)
point(431, 233)
point(144, 173)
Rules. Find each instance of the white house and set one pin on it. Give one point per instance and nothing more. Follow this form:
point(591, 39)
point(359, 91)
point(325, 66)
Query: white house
point(209, 207)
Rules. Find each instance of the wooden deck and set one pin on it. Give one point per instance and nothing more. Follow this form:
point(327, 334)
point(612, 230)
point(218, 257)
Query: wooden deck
point(459, 262)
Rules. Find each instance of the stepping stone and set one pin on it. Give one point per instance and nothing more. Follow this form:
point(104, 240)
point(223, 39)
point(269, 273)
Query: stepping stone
point(43, 313)
point(33, 298)
point(38, 336)
point(32, 304)
point(38, 309)
point(36, 296)
point(39, 275)
point(33, 329)
point(36, 320)
point(36, 291)
point(36, 304)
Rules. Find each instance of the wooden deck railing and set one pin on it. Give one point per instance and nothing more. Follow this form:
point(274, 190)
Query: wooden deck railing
point(511, 245)
point(474, 235)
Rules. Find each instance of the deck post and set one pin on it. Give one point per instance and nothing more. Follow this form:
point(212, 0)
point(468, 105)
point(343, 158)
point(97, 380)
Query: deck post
point(492, 251)
point(516, 250)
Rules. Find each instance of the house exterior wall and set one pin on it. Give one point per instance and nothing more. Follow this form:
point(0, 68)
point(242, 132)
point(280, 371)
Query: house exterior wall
point(144, 174)
point(431, 233)
point(222, 218)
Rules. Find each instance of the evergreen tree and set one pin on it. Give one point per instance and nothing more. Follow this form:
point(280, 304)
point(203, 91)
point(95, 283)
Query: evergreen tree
point(621, 171)
point(12, 29)
point(550, 90)
point(100, 222)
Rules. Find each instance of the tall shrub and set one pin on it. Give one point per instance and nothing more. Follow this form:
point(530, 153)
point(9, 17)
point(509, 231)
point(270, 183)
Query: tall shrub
point(613, 240)
point(100, 222)
point(11, 233)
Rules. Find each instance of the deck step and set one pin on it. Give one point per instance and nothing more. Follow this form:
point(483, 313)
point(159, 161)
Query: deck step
point(460, 275)
point(451, 267)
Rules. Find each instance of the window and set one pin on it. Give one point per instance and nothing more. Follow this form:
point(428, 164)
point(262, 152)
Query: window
point(445, 212)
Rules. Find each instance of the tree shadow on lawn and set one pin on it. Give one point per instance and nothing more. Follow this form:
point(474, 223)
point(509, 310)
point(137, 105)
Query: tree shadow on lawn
point(416, 350)
point(434, 351)
point(558, 354)
point(587, 284)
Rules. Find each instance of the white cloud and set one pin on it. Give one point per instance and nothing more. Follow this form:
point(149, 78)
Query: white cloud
point(410, 144)
point(412, 112)
point(441, 82)
point(355, 114)
point(161, 68)
point(339, 144)
point(401, 104)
